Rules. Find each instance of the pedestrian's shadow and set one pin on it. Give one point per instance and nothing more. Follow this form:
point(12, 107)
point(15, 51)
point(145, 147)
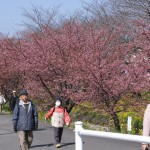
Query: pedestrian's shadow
point(66, 144)
point(49, 127)
point(40, 129)
point(7, 133)
point(42, 145)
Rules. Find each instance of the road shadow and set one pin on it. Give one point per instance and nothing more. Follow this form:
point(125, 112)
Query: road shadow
point(6, 133)
point(66, 144)
point(49, 127)
point(5, 114)
point(42, 145)
point(40, 129)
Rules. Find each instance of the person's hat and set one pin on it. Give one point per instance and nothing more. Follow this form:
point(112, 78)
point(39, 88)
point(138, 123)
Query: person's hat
point(59, 99)
point(14, 91)
point(23, 92)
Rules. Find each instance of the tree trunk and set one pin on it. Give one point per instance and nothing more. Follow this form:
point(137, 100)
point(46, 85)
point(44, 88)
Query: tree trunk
point(69, 105)
point(47, 89)
point(116, 121)
point(70, 108)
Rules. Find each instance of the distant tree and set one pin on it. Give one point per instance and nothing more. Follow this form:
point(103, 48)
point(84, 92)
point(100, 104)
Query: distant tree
point(133, 9)
point(101, 13)
point(39, 17)
point(10, 77)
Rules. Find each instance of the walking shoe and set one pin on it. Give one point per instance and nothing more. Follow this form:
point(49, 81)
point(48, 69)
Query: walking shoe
point(58, 145)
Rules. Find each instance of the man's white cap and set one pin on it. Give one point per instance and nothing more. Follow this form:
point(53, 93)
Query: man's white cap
point(14, 91)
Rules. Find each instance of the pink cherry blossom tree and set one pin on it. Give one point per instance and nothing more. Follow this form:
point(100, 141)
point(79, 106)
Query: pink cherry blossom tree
point(81, 62)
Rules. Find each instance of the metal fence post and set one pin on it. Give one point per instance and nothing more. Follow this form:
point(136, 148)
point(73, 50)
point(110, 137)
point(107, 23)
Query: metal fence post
point(78, 139)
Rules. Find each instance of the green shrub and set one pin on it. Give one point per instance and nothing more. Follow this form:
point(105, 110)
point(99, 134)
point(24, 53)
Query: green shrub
point(6, 108)
point(136, 123)
point(41, 116)
point(86, 113)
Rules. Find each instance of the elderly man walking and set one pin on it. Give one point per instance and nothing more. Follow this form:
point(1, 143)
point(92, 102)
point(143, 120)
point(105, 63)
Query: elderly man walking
point(25, 120)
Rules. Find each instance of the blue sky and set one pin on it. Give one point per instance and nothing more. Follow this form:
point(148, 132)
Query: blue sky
point(11, 11)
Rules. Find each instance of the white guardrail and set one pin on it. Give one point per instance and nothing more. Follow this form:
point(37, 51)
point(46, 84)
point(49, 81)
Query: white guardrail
point(79, 131)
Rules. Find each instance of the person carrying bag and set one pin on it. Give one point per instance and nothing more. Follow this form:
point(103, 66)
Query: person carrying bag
point(60, 117)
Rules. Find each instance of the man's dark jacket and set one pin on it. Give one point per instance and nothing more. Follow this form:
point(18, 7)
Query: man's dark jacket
point(13, 101)
point(25, 120)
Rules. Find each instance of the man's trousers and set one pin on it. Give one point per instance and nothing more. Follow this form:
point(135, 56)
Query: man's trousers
point(26, 138)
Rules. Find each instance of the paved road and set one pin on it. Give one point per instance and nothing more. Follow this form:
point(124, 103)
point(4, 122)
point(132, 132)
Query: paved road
point(43, 139)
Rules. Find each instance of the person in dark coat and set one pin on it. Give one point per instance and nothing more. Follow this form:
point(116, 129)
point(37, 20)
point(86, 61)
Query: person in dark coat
point(25, 120)
point(13, 100)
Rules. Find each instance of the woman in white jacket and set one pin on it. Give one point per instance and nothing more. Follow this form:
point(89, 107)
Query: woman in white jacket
point(2, 100)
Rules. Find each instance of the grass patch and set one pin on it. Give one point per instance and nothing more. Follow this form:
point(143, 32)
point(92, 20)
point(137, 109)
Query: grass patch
point(6, 108)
